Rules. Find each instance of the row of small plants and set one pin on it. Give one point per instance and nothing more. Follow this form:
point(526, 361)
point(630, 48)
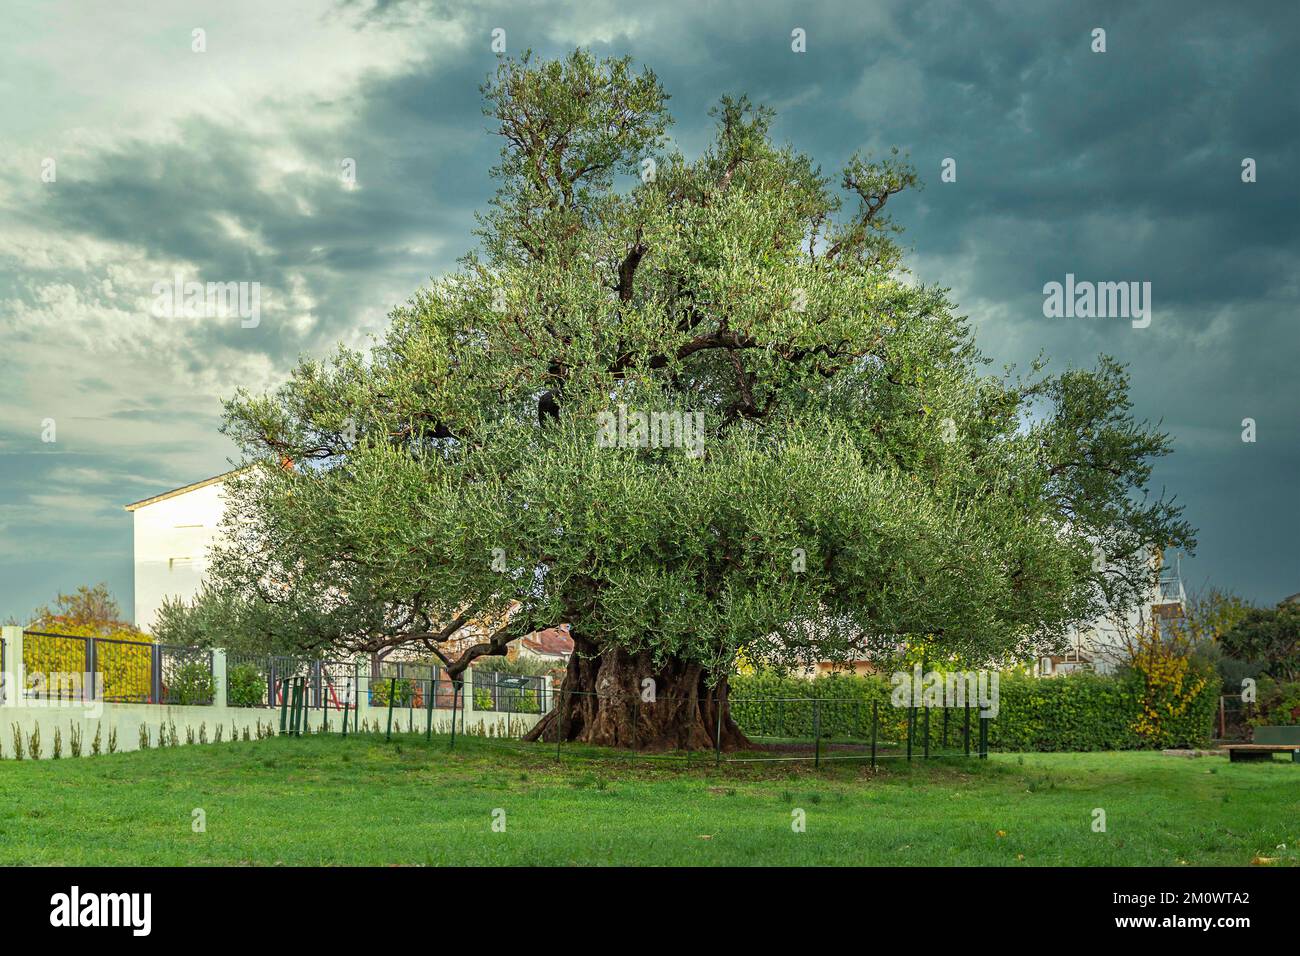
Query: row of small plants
point(30, 745)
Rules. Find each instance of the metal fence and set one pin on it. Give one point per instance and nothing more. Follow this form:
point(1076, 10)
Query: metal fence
point(817, 729)
point(68, 667)
point(264, 680)
point(776, 729)
point(1233, 719)
point(510, 693)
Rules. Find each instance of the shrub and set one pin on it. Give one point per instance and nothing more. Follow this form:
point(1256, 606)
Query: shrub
point(1172, 686)
point(1277, 704)
point(403, 692)
point(190, 684)
point(1075, 712)
point(245, 686)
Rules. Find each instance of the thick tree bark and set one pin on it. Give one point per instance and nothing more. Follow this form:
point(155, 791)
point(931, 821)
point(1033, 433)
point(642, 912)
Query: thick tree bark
point(600, 702)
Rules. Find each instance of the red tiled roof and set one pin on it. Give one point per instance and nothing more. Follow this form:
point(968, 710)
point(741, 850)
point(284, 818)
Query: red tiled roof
point(553, 640)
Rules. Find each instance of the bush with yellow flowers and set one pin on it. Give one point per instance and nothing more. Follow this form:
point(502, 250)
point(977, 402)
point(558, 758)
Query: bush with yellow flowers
point(1174, 687)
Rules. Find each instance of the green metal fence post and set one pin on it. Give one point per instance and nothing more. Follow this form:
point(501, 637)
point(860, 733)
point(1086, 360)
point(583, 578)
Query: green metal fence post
point(927, 733)
point(392, 692)
point(559, 733)
point(945, 728)
point(817, 732)
point(717, 735)
point(911, 723)
point(455, 697)
point(984, 738)
point(284, 704)
point(874, 705)
point(348, 694)
point(428, 727)
point(965, 729)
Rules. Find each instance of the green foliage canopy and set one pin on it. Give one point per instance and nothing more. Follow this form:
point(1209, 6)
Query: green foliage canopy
point(863, 478)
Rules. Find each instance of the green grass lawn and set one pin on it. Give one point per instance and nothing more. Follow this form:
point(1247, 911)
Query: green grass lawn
point(327, 800)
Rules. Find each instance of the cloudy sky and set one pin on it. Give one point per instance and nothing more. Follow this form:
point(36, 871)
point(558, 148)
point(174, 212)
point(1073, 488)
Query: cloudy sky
point(224, 165)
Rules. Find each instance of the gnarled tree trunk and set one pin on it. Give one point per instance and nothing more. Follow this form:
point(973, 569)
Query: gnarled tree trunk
point(601, 702)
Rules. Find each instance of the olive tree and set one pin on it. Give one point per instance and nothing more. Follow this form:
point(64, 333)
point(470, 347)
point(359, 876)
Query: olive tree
point(696, 408)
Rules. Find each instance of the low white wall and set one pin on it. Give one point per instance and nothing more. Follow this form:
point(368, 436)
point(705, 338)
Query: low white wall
point(127, 719)
point(23, 716)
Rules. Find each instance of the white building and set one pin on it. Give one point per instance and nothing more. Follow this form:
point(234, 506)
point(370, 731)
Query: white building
point(173, 533)
point(1103, 645)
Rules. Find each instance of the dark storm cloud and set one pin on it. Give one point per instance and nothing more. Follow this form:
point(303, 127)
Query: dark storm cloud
point(1114, 166)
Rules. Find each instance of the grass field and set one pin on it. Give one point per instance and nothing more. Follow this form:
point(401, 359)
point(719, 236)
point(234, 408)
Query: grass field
point(327, 800)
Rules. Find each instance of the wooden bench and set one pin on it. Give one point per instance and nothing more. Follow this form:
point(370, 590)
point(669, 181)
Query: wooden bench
point(1268, 741)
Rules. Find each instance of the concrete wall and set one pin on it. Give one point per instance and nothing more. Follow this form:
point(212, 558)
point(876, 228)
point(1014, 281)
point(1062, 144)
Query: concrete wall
point(127, 719)
point(172, 539)
point(91, 717)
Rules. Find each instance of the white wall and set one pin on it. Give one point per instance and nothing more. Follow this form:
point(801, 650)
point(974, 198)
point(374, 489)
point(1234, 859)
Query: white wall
point(172, 539)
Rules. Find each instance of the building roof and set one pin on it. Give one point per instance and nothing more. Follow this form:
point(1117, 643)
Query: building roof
point(182, 490)
point(554, 641)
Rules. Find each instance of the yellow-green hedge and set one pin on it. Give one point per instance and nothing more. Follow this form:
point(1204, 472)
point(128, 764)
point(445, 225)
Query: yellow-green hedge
point(1076, 712)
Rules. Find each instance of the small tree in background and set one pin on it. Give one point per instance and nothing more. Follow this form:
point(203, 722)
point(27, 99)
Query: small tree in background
point(124, 668)
point(84, 612)
point(1270, 636)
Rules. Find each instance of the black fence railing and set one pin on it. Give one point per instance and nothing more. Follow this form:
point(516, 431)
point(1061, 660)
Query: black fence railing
point(71, 667)
point(264, 681)
point(809, 729)
point(182, 675)
point(1232, 722)
point(510, 693)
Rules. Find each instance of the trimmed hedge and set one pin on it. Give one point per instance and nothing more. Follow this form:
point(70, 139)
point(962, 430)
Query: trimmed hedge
point(1075, 712)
